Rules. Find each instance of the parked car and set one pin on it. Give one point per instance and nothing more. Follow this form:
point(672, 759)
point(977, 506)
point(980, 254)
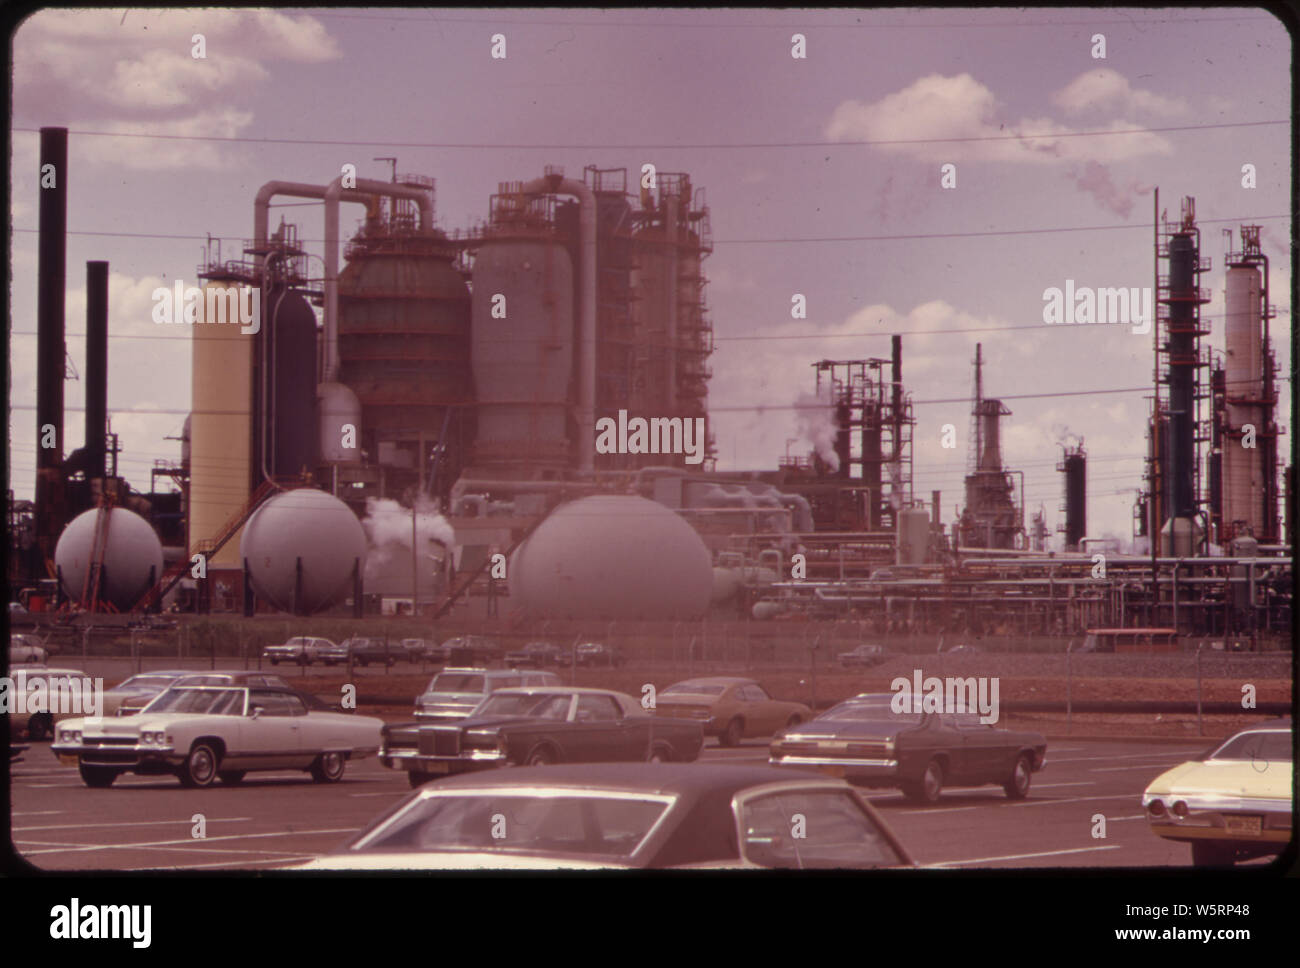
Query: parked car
point(130, 705)
point(454, 693)
point(626, 815)
point(296, 649)
point(415, 650)
point(540, 725)
point(598, 654)
point(865, 741)
point(365, 650)
point(730, 707)
point(535, 655)
point(325, 651)
point(202, 733)
point(40, 723)
point(468, 650)
point(141, 687)
point(863, 657)
point(27, 648)
point(1231, 804)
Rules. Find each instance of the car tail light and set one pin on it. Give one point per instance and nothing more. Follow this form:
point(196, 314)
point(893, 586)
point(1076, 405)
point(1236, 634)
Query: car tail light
point(1180, 808)
point(1156, 808)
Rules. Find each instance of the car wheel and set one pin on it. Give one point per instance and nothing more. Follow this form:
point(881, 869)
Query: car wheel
point(200, 769)
point(275, 662)
point(1017, 785)
point(40, 726)
point(1213, 855)
point(328, 767)
point(659, 754)
point(231, 777)
point(793, 721)
point(930, 786)
point(731, 736)
point(541, 756)
point(98, 776)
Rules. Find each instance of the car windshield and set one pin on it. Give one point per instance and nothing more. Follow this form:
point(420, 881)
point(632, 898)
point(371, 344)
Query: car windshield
point(576, 824)
point(550, 705)
point(830, 830)
point(869, 712)
point(147, 682)
point(457, 682)
point(694, 689)
point(1256, 746)
point(213, 702)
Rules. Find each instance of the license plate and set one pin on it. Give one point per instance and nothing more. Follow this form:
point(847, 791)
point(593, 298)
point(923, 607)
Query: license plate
point(833, 771)
point(1244, 825)
point(67, 759)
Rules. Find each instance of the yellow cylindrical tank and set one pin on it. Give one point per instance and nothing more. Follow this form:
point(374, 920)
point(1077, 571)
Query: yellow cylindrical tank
point(220, 429)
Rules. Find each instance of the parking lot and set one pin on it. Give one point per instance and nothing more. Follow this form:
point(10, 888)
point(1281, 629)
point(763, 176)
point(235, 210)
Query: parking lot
point(275, 819)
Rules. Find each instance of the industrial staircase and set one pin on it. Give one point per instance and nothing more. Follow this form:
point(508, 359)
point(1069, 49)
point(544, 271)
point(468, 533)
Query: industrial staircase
point(95, 570)
point(210, 546)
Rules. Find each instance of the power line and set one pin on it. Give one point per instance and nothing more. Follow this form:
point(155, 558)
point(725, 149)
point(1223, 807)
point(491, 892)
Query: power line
point(715, 146)
point(1246, 219)
point(433, 21)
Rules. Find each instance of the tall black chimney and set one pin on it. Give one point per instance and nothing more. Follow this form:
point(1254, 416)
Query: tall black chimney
point(96, 367)
point(50, 348)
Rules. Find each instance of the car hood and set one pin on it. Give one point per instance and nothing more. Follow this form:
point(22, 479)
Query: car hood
point(446, 860)
point(1233, 778)
point(492, 722)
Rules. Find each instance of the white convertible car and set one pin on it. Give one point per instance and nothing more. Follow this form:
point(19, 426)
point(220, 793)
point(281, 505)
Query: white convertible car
point(202, 733)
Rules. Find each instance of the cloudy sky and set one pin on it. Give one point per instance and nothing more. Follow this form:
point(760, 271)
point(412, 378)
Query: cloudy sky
point(823, 174)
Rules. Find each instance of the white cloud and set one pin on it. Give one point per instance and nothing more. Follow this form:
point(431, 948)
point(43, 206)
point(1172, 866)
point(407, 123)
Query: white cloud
point(935, 109)
point(1108, 90)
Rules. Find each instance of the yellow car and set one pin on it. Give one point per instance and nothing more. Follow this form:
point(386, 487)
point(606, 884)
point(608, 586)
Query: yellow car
point(1232, 804)
point(730, 707)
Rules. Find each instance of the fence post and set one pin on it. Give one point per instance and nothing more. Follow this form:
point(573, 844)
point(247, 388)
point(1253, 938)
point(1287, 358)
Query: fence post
point(1069, 705)
point(1200, 727)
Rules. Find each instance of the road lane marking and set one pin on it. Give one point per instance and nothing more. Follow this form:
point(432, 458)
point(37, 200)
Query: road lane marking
point(1040, 803)
point(936, 810)
point(134, 823)
point(189, 841)
point(386, 793)
point(1139, 816)
point(1045, 786)
point(1173, 754)
point(33, 813)
point(1042, 853)
point(1138, 766)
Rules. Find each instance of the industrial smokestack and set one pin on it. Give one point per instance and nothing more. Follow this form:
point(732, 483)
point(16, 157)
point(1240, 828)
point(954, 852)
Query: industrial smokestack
point(50, 349)
point(96, 367)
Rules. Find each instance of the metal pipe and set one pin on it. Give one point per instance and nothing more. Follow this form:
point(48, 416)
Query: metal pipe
point(556, 184)
point(672, 212)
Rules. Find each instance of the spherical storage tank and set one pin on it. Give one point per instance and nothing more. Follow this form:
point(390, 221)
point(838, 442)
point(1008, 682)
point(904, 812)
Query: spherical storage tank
point(307, 525)
point(132, 557)
point(612, 557)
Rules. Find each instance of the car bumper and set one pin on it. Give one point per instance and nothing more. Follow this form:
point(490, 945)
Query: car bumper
point(1239, 820)
point(413, 761)
point(864, 771)
point(126, 757)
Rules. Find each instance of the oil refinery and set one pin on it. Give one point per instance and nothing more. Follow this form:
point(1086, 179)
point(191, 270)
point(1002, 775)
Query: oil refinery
point(446, 387)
